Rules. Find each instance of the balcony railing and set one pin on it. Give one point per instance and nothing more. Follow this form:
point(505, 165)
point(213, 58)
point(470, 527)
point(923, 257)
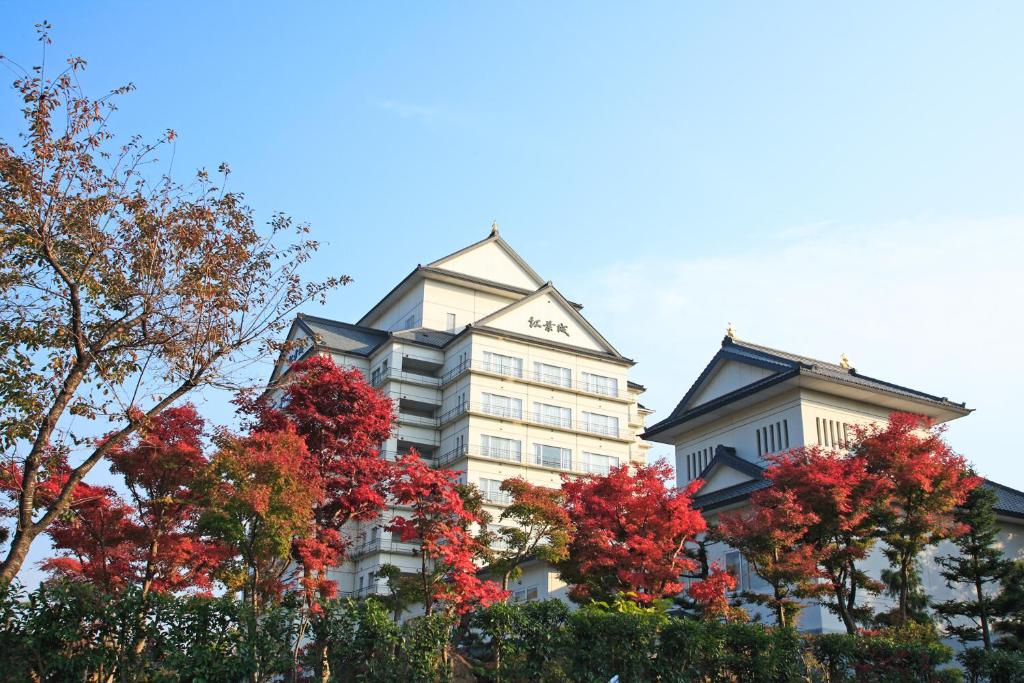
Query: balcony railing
point(552, 379)
point(383, 545)
point(533, 417)
point(559, 462)
point(378, 378)
point(418, 420)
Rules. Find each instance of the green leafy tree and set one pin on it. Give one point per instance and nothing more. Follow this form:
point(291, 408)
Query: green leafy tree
point(538, 529)
point(979, 564)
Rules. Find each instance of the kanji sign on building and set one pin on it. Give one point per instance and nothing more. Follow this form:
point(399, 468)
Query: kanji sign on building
point(549, 326)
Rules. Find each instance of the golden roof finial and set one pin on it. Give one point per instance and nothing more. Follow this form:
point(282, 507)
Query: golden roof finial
point(730, 331)
point(844, 362)
point(494, 228)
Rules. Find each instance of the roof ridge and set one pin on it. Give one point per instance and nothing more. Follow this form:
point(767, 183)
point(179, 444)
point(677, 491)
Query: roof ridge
point(785, 354)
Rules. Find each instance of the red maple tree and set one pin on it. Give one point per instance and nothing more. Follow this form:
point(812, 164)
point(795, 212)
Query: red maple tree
point(96, 542)
point(924, 481)
point(770, 535)
point(343, 421)
point(711, 594)
point(159, 466)
point(629, 534)
point(835, 500)
point(440, 523)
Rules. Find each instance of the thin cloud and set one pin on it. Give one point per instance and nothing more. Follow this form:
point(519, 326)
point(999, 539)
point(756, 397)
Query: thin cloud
point(933, 305)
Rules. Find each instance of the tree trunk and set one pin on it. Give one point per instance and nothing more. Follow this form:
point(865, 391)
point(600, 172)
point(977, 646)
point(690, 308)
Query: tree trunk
point(904, 589)
point(986, 636)
point(843, 608)
point(16, 555)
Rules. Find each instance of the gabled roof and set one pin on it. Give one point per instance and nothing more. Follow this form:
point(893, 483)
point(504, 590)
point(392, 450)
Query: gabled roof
point(496, 239)
point(782, 366)
point(725, 456)
point(548, 289)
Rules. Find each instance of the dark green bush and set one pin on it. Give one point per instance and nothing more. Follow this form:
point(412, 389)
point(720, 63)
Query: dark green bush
point(519, 643)
point(889, 656)
point(712, 651)
point(992, 666)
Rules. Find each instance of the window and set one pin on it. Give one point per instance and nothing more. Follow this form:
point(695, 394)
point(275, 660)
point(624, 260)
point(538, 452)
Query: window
point(451, 322)
point(599, 384)
point(833, 433)
point(601, 424)
point(410, 321)
point(504, 449)
point(552, 415)
point(490, 489)
point(773, 437)
point(504, 365)
point(735, 565)
point(375, 376)
point(596, 463)
point(527, 594)
point(552, 374)
point(697, 460)
point(552, 456)
point(503, 406)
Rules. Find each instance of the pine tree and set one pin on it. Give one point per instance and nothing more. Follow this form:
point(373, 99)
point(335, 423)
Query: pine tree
point(978, 562)
point(1008, 608)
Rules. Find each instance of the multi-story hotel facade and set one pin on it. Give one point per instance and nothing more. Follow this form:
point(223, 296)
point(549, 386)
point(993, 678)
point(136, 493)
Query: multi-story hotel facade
point(494, 374)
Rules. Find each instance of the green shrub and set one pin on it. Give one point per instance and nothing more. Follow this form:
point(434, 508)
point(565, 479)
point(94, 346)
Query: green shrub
point(519, 643)
point(909, 655)
point(620, 639)
point(992, 666)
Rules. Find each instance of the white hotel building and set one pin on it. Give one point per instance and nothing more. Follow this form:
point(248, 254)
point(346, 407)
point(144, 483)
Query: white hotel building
point(494, 374)
point(751, 401)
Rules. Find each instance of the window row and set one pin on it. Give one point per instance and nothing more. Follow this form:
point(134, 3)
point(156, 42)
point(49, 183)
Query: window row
point(545, 413)
point(550, 374)
point(772, 437)
point(833, 433)
point(543, 454)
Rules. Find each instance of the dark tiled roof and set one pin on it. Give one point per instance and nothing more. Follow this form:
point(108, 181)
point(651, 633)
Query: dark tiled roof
point(425, 336)
point(726, 455)
point(783, 366)
point(731, 494)
point(340, 336)
point(1009, 501)
point(837, 372)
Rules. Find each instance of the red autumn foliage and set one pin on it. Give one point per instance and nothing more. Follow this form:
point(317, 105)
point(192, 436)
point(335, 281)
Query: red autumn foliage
point(836, 498)
point(710, 594)
point(923, 479)
point(771, 534)
point(159, 466)
point(629, 533)
point(440, 522)
point(343, 421)
point(111, 543)
point(258, 496)
point(97, 541)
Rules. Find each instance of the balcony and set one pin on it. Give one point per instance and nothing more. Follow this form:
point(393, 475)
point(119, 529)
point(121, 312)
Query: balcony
point(506, 370)
point(560, 462)
point(383, 545)
point(539, 419)
point(392, 374)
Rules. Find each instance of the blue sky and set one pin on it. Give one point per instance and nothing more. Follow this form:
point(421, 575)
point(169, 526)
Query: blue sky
point(829, 177)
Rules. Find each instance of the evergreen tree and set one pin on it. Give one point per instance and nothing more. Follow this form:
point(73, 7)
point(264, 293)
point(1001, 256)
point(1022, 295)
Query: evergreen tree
point(916, 599)
point(978, 562)
point(1008, 608)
